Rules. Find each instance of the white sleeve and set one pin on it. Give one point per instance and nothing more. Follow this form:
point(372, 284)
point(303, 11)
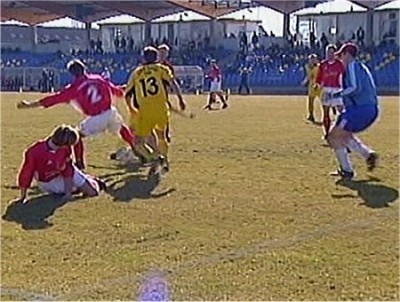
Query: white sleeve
point(351, 72)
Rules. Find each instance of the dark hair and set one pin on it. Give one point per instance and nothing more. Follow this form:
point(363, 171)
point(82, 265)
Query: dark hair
point(150, 54)
point(65, 135)
point(76, 67)
point(331, 46)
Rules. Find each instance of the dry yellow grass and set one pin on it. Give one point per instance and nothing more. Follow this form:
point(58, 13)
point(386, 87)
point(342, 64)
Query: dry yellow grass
point(248, 211)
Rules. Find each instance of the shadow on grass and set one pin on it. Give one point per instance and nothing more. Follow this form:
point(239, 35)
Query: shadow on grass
point(374, 195)
point(133, 167)
point(34, 214)
point(136, 187)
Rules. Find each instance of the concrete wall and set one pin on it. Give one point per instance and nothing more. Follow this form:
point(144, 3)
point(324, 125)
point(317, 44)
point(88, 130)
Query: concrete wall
point(48, 39)
point(347, 23)
point(184, 31)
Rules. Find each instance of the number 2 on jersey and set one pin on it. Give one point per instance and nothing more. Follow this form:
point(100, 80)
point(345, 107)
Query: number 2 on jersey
point(149, 86)
point(93, 94)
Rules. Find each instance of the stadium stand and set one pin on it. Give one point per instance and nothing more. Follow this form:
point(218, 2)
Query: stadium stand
point(273, 66)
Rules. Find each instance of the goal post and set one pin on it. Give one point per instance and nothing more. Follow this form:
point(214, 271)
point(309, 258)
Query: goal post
point(191, 78)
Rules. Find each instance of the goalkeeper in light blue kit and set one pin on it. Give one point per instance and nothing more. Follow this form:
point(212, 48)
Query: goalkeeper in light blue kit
point(361, 111)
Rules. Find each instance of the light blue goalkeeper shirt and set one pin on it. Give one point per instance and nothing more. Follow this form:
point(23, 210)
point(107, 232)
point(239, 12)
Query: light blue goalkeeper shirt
point(358, 86)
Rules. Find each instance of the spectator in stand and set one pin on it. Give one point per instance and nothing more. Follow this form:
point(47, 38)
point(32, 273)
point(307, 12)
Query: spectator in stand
point(116, 44)
point(45, 80)
point(272, 34)
point(360, 36)
point(123, 45)
point(324, 41)
point(313, 38)
point(99, 46)
point(254, 39)
point(131, 44)
point(92, 44)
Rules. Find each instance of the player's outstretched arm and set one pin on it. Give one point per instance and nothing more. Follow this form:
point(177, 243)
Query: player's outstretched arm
point(26, 104)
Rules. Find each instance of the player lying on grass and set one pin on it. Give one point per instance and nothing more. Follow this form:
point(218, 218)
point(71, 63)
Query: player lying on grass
point(147, 100)
point(330, 78)
point(92, 95)
point(361, 111)
point(49, 162)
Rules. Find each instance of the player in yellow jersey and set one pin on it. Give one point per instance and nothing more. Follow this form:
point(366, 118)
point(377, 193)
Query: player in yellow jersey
point(147, 100)
point(314, 91)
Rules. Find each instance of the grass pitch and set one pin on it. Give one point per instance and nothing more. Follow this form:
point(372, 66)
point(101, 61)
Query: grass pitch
point(248, 212)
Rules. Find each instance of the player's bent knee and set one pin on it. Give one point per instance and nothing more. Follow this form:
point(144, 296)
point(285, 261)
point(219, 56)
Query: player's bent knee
point(89, 190)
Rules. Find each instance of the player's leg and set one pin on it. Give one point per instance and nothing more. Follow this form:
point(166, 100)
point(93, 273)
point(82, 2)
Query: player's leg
point(217, 88)
point(82, 183)
point(370, 156)
point(115, 124)
point(210, 100)
point(240, 88)
point(247, 88)
point(90, 126)
point(223, 101)
point(86, 184)
point(364, 119)
point(144, 131)
point(162, 140)
point(326, 119)
point(127, 135)
point(338, 139)
point(310, 107)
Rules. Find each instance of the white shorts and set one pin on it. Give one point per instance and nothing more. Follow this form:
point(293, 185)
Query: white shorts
point(331, 102)
point(109, 120)
point(56, 185)
point(215, 86)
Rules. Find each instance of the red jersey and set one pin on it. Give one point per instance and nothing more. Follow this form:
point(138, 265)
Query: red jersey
point(330, 74)
point(90, 93)
point(215, 74)
point(46, 163)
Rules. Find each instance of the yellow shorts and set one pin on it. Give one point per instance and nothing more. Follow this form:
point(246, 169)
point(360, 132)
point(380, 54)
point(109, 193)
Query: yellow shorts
point(314, 93)
point(145, 122)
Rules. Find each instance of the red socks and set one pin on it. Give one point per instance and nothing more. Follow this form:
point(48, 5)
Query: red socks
point(127, 135)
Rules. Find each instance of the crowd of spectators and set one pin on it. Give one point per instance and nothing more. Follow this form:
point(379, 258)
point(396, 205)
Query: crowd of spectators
point(262, 63)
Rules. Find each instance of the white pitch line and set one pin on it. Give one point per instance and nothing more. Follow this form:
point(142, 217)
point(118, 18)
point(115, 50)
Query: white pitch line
point(22, 294)
point(236, 254)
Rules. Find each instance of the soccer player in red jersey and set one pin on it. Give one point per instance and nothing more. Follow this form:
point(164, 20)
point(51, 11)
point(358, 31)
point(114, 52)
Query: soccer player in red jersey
point(49, 162)
point(330, 77)
point(215, 75)
point(92, 95)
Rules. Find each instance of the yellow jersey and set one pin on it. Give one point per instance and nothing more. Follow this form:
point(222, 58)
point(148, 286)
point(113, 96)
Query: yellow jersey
point(312, 72)
point(147, 82)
